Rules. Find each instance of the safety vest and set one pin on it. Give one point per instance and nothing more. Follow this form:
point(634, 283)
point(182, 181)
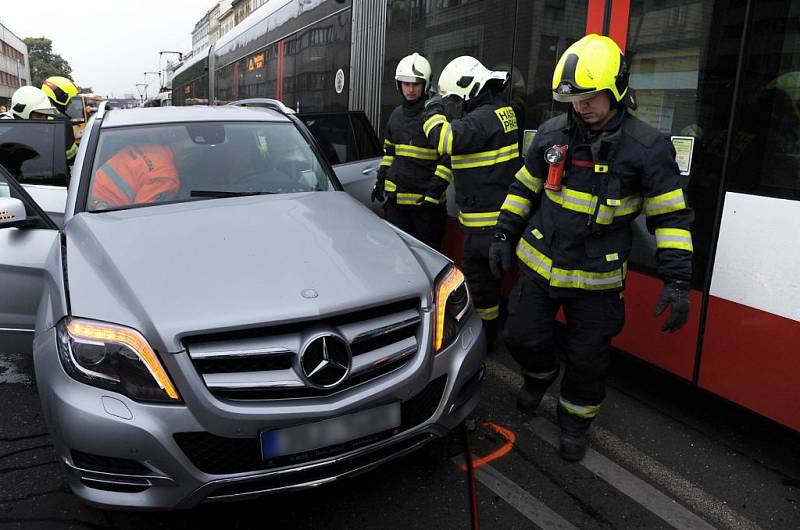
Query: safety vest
point(484, 155)
point(413, 173)
point(137, 174)
point(580, 236)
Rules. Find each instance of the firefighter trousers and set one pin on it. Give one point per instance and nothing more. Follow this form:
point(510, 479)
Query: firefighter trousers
point(485, 288)
point(426, 222)
point(593, 319)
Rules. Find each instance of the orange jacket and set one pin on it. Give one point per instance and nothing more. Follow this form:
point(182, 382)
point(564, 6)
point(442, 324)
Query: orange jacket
point(140, 173)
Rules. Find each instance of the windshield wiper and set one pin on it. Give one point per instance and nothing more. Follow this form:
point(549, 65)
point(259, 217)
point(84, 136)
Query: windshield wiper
point(222, 193)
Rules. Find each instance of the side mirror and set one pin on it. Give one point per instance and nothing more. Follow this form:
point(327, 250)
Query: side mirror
point(12, 213)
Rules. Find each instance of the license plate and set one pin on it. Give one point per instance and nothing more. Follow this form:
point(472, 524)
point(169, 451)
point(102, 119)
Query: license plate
point(312, 436)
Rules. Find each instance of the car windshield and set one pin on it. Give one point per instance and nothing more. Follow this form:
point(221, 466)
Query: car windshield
point(137, 166)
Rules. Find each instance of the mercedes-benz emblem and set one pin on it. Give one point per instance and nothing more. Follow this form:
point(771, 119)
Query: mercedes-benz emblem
point(326, 361)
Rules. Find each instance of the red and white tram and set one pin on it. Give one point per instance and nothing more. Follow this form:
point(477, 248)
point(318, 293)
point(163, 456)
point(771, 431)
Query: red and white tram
point(724, 75)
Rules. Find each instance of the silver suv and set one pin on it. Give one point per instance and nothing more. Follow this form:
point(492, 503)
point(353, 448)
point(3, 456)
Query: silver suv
point(217, 319)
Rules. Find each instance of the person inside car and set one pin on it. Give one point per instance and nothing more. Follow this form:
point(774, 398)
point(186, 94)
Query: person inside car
point(139, 173)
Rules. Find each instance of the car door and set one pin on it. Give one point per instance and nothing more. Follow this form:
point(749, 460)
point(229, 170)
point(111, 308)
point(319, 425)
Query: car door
point(23, 253)
point(351, 146)
point(33, 153)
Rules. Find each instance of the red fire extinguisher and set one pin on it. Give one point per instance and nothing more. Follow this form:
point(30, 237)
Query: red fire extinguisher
point(556, 157)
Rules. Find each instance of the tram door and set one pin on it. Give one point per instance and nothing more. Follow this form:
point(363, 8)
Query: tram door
point(752, 333)
point(722, 77)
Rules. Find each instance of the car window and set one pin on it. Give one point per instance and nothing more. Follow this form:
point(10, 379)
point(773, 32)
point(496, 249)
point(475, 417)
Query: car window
point(334, 135)
point(26, 151)
point(366, 139)
point(137, 166)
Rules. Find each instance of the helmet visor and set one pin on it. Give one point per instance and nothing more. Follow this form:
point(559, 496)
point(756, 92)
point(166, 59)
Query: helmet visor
point(566, 93)
point(409, 79)
point(43, 114)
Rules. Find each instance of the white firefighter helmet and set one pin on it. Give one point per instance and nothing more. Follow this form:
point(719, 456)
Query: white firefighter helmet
point(29, 99)
point(413, 68)
point(465, 77)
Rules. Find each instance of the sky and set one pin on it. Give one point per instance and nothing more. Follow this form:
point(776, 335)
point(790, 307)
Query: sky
point(109, 43)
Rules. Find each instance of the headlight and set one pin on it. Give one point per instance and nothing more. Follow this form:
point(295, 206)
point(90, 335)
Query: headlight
point(113, 357)
point(453, 304)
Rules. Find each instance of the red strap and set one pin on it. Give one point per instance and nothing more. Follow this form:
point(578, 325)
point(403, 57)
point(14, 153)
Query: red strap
point(582, 163)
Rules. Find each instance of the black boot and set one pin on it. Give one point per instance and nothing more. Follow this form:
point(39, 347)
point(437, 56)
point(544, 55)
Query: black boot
point(533, 390)
point(530, 395)
point(572, 442)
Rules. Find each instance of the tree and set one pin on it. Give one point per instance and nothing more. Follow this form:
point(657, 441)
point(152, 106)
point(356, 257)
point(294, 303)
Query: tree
point(45, 63)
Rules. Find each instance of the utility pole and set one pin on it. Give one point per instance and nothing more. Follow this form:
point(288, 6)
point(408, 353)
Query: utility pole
point(160, 84)
point(162, 52)
point(142, 88)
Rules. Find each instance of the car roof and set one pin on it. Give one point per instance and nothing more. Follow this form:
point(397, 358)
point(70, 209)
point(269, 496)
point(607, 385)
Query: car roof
point(156, 115)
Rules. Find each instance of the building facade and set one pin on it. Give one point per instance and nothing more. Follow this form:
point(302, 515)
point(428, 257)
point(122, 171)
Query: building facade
point(15, 69)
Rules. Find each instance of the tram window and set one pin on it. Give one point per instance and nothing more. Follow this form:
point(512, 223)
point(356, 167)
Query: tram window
point(765, 153)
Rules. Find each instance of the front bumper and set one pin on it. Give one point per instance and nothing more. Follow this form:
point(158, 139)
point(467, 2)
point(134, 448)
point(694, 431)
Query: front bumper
point(119, 453)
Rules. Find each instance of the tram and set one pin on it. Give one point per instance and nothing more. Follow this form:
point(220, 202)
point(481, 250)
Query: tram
point(721, 77)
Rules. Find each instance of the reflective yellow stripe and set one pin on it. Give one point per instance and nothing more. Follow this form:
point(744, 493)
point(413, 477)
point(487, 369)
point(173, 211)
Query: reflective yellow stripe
point(605, 215)
point(488, 314)
point(590, 281)
point(444, 172)
point(409, 198)
point(674, 238)
point(664, 203)
point(577, 201)
point(534, 259)
point(432, 122)
point(536, 233)
point(478, 219)
point(445, 146)
point(628, 205)
point(583, 411)
point(73, 149)
point(485, 158)
point(529, 181)
point(565, 278)
point(387, 160)
point(440, 200)
point(518, 205)
point(388, 185)
point(412, 151)
point(612, 257)
point(540, 375)
point(600, 168)
point(387, 143)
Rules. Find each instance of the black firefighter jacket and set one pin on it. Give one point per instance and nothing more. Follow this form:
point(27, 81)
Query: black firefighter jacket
point(579, 238)
point(412, 172)
point(484, 155)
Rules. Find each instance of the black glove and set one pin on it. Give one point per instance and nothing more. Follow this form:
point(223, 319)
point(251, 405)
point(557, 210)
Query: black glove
point(675, 293)
point(500, 255)
point(434, 105)
point(378, 191)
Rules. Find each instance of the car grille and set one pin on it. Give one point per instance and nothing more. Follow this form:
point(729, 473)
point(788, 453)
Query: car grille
point(218, 455)
point(265, 363)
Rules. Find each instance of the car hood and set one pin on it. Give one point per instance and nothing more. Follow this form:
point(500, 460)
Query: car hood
point(222, 264)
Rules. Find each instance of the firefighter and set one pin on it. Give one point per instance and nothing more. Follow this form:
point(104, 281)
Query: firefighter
point(591, 172)
point(139, 173)
point(412, 177)
point(30, 103)
point(484, 153)
point(61, 90)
